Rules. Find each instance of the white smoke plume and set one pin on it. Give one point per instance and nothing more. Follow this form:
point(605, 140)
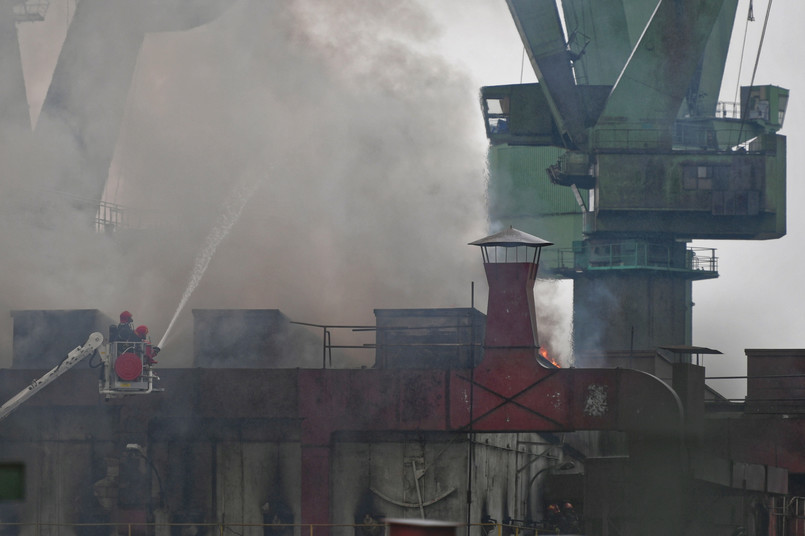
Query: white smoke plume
point(373, 154)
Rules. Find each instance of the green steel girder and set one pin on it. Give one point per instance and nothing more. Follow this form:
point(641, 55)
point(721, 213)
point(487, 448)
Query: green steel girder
point(705, 86)
point(655, 81)
point(610, 29)
point(626, 66)
point(540, 28)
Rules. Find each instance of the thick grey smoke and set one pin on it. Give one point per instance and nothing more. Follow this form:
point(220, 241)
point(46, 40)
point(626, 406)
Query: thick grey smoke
point(552, 298)
point(370, 153)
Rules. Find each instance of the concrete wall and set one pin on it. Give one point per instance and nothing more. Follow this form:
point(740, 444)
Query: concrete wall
point(234, 471)
point(257, 482)
point(374, 474)
point(63, 450)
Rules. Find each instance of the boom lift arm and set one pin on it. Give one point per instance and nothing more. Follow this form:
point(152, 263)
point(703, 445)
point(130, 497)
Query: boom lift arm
point(79, 354)
point(124, 371)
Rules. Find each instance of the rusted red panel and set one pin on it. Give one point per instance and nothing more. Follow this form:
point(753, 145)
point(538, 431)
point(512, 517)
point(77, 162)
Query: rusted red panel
point(763, 440)
point(510, 391)
point(532, 400)
point(370, 400)
point(775, 380)
point(510, 315)
point(259, 391)
point(315, 481)
point(423, 398)
point(518, 395)
point(509, 371)
point(420, 527)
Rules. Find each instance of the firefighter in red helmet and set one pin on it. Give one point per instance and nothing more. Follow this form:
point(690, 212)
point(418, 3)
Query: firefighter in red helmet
point(124, 331)
point(150, 351)
point(553, 517)
point(570, 523)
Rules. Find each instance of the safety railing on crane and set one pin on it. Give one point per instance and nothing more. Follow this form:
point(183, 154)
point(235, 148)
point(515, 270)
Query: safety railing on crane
point(114, 217)
point(636, 255)
point(30, 10)
point(685, 136)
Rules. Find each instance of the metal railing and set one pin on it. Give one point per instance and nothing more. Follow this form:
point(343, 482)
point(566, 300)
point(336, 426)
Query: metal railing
point(458, 336)
point(327, 345)
point(728, 110)
point(637, 255)
point(30, 11)
point(701, 258)
point(114, 217)
point(255, 529)
point(684, 136)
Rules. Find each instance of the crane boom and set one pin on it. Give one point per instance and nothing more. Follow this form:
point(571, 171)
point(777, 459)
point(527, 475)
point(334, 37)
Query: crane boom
point(74, 357)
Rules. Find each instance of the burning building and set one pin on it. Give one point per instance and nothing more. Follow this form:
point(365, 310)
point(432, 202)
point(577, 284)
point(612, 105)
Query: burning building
point(500, 439)
point(461, 417)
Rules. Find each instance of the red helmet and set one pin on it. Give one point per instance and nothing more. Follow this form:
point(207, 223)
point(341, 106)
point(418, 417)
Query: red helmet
point(141, 331)
point(125, 317)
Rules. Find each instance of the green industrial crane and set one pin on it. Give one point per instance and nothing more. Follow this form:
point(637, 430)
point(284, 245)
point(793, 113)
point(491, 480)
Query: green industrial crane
point(621, 154)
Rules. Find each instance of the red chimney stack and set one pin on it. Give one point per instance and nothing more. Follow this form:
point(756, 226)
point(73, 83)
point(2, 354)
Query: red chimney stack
point(511, 258)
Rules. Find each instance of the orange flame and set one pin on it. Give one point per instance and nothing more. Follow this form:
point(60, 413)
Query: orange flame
point(544, 353)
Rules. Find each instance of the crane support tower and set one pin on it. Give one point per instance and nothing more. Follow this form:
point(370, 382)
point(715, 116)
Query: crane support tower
point(125, 371)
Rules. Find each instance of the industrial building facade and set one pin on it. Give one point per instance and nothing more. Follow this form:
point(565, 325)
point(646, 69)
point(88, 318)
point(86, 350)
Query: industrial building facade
point(334, 451)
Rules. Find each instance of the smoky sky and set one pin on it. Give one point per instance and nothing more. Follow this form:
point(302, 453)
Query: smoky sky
point(360, 123)
point(365, 145)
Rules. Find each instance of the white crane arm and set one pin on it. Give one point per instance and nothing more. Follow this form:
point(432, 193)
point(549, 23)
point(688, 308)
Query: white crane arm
point(93, 343)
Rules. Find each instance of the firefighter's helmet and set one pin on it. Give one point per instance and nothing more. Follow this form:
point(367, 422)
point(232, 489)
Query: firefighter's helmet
point(125, 317)
point(141, 331)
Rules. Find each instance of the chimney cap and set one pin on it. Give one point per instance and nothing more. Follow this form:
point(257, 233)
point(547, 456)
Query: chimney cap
point(687, 349)
point(511, 238)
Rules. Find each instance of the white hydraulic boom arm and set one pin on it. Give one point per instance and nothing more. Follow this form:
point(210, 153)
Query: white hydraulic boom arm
point(93, 343)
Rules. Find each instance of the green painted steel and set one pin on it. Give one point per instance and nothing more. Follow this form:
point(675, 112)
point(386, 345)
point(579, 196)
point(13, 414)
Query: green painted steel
point(626, 113)
point(12, 481)
point(601, 30)
point(521, 195)
point(701, 99)
point(541, 30)
point(695, 195)
point(655, 80)
point(522, 186)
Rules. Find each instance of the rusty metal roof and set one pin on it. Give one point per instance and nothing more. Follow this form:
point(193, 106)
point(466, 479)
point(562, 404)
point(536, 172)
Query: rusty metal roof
point(511, 237)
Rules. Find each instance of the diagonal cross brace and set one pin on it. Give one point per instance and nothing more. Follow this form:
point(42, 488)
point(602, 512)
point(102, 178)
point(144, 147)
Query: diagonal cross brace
point(509, 400)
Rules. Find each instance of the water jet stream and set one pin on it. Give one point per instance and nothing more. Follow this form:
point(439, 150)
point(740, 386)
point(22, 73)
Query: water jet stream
point(233, 207)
